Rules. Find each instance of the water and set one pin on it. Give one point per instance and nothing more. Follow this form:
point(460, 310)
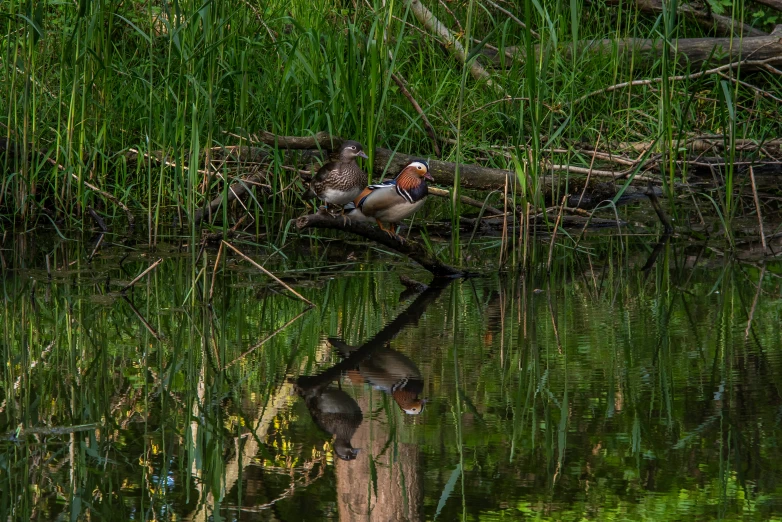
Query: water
point(598, 391)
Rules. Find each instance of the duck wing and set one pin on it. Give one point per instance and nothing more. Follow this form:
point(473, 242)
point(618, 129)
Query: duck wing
point(376, 198)
point(326, 170)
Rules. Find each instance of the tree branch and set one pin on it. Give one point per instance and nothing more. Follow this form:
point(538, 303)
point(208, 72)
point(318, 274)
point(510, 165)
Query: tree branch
point(472, 176)
point(774, 4)
point(434, 26)
point(703, 16)
point(645, 52)
point(410, 248)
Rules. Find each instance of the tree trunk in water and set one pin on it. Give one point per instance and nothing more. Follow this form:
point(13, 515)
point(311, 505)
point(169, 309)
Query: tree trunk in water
point(399, 493)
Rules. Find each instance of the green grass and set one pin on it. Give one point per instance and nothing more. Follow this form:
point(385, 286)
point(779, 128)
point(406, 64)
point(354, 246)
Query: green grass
point(84, 84)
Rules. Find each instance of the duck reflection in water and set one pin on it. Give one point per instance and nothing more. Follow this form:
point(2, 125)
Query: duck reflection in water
point(337, 413)
point(375, 363)
point(389, 371)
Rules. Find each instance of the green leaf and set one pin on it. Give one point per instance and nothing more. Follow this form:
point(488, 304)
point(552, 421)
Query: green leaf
point(448, 489)
point(373, 474)
point(144, 35)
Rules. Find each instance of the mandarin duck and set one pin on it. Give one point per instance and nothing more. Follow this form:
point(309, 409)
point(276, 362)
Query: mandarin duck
point(338, 414)
point(339, 182)
point(390, 372)
point(393, 200)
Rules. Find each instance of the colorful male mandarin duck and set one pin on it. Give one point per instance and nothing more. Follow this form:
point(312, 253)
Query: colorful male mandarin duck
point(340, 182)
point(391, 372)
point(393, 200)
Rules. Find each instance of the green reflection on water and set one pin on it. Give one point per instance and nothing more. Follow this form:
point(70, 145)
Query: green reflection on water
point(598, 391)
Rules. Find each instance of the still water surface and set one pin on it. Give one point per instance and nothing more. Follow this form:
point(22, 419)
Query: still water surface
point(596, 391)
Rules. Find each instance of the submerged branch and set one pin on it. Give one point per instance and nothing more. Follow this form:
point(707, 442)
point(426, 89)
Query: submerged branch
point(411, 249)
point(262, 269)
point(141, 275)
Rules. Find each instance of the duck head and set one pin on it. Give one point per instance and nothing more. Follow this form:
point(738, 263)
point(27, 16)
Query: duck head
point(344, 450)
point(350, 150)
point(416, 171)
point(409, 402)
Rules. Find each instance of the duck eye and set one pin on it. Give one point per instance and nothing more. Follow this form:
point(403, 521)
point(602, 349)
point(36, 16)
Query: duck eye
point(353, 147)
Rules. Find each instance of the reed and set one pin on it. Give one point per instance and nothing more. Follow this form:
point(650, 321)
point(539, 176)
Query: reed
point(90, 82)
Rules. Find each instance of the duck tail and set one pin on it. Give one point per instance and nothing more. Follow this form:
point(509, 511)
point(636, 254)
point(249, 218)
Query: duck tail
point(344, 348)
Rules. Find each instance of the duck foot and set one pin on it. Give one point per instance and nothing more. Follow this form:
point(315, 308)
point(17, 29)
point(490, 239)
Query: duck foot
point(324, 211)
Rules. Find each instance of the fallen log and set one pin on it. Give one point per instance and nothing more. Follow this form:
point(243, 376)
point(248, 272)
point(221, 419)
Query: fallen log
point(309, 151)
point(700, 13)
point(774, 4)
point(471, 176)
point(408, 247)
point(645, 52)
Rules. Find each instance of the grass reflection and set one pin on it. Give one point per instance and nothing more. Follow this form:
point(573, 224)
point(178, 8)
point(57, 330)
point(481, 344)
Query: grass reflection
point(595, 389)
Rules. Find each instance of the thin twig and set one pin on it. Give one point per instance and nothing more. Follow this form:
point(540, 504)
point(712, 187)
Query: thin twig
point(453, 46)
point(267, 338)
point(757, 206)
point(755, 302)
point(142, 274)
point(214, 272)
point(141, 318)
point(262, 269)
point(510, 99)
point(752, 87)
point(429, 129)
point(106, 195)
point(716, 70)
point(591, 165)
point(554, 235)
point(92, 254)
point(512, 17)
point(434, 191)
point(260, 19)
point(456, 20)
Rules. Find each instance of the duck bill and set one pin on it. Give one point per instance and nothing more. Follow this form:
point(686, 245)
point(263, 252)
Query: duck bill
point(429, 177)
point(363, 154)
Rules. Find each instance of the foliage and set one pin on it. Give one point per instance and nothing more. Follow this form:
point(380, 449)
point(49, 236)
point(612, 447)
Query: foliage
point(92, 81)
